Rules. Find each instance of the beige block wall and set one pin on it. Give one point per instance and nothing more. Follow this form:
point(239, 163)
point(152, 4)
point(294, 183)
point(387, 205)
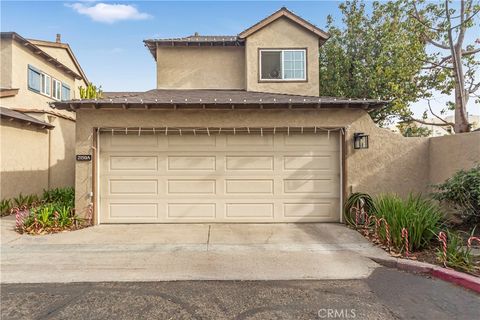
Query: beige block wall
point(391, 164)
point(24, 162)
point(201, 68)
point(448, 154)
point(283, 34)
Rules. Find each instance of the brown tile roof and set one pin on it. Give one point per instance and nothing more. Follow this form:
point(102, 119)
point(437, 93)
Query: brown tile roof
point(6, 113)
point(165, 98)
point(35, 49)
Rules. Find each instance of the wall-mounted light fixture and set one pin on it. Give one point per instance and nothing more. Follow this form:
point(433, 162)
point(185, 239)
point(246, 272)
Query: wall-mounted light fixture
point(360, 140)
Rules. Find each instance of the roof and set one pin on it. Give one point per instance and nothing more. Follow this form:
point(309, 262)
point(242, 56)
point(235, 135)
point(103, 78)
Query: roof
point(13, 115)
point(65, 46)
point(194, 40)
point(35, 49)
point(214, 99)
point(284, 12)
point(197, 40)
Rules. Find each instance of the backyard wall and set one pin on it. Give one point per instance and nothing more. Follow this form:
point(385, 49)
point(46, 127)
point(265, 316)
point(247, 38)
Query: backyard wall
point(448, 154)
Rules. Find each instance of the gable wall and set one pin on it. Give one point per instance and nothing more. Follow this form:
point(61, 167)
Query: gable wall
point(282, 34)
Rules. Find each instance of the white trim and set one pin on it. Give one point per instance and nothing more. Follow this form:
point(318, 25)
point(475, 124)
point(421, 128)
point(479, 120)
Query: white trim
point(340, 151)
point(48, 79)
point(97, 173)
point(53, 91)
point(282, 52)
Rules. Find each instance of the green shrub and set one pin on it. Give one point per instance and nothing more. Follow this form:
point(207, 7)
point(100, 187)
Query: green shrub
point(5, 207)
point(421, 217)
point(63, 196)
point(25, 201)
point(355, 200)
point(462, 191)
point(459, 255)
point(49, 217)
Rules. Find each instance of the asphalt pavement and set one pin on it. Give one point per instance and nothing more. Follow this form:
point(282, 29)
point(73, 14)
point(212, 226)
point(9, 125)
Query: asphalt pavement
point(385, 294)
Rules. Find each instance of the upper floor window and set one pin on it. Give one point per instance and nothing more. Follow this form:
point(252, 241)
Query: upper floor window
point(57, 89)
point(283, 65)
point(65, 92)
point(45, 82)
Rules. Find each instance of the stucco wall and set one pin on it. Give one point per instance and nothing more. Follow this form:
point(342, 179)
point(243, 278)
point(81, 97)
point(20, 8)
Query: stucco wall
point(24, 162)
point(35, 159)
point(201, 68)
point(449, 154)
point(283, 34)
point(6, 63)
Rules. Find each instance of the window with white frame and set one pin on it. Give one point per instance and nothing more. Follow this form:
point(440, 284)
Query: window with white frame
point(45, 83)
point(286, 65)
point(56, 89)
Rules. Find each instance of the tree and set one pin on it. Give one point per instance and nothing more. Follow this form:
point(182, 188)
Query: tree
point(374, 56)
point(453, 65)
point(411, 129)
point(90, 92)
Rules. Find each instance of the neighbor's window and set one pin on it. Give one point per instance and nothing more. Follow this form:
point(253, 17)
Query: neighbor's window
point(56, 89)
point(45, 82)
point(33, 78)
point(65, 92)
point(283, 64)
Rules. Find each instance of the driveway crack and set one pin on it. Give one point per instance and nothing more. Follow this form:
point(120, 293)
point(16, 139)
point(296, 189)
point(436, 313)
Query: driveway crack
point(208, 238)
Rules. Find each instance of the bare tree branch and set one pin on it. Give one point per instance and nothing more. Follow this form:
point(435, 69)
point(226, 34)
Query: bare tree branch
point(431, 123)
point(435, 115)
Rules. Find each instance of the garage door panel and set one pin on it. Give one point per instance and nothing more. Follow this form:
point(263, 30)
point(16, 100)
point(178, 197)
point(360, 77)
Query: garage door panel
point(249, 210)
point(193, 210)
point(133, 186)
point(325, 186)
point(310, 162)
point(133, 210)
point(249, 186)
point(222, 178)
point(193, 141)
point(191, 163)
point(234, 163)
point(318, 209)
point(191, 186)
point(133, 163)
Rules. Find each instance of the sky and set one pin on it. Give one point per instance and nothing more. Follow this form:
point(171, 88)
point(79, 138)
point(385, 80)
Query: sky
point(107, 36)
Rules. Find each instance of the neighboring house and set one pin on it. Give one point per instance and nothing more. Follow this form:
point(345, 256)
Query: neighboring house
point(37, 142)
point(447, 129)
point(441, 130)
point(236, 132)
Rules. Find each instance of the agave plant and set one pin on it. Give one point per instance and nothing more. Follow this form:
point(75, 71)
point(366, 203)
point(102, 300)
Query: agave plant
point(5, 207)
point(357, 200)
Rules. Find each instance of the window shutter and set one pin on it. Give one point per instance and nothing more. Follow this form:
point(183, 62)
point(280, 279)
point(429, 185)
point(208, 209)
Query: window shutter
point(65, 92)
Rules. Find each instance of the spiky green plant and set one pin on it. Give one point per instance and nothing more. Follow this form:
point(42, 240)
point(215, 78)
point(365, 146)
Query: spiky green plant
point(355, 200)
point(5, 207)
point(459, 256)
point(421, 217)
point(90, 92)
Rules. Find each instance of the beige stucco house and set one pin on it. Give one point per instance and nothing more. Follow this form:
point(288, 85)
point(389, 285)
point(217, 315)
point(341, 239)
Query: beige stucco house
point(236, 132)
point(37, 141)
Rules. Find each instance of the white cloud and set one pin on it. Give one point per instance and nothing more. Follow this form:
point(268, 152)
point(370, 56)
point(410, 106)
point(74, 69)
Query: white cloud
point(109, 13)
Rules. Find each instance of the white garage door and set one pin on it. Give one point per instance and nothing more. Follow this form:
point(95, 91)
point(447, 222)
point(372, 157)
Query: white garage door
point(146, 178)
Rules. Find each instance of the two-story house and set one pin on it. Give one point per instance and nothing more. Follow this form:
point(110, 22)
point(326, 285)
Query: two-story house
point(37, 141)
point(234, 132)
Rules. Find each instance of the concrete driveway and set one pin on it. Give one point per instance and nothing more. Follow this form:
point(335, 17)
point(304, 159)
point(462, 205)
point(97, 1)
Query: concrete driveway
point(186, 252)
